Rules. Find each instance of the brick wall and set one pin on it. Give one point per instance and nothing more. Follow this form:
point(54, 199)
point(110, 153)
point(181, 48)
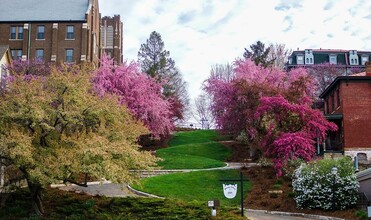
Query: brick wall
point(86, 42)
point(356, 102)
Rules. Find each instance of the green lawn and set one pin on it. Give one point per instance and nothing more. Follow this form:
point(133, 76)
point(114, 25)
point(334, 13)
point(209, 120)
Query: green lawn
point(193, 150)
point(194, 186)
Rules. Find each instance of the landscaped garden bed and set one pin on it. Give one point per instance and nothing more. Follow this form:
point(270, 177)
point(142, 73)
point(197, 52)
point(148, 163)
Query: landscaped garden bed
point(263, 180)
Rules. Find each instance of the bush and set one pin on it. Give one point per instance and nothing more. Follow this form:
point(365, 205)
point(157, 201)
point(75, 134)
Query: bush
point(316, 187)
point(291, 166)
point(265, 162)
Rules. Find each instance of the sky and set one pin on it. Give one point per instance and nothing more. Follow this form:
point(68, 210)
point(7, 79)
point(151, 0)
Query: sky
point(202, 33)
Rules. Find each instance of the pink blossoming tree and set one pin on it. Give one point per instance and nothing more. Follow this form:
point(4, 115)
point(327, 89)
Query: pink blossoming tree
point(272, 108)
point(139, 92)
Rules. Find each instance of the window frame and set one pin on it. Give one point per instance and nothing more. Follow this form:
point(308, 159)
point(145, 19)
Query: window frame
point(42, 54)
point(69, 59)
point(40, 35)
point(301, 59)
point(70, 35)
point(16, 53)
point(20, 33)
point(364, 60)
point(16, 32)
point(334, 57)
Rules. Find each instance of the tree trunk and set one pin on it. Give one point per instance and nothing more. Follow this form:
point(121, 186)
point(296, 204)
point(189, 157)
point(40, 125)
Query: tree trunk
point(36, 191)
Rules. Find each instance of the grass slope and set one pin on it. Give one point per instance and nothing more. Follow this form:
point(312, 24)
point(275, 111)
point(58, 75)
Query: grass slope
point(194, 186)
point(193, 150)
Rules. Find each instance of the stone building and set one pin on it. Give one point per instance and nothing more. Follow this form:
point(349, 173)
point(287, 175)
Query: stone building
point(61, 31)
point(111, 37)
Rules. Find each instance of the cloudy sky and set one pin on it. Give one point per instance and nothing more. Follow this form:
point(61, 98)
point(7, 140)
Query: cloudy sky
point(201, 33)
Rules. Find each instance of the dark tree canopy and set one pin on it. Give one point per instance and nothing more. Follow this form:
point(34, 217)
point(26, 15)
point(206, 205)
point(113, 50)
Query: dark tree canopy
point(259, 54)
point(153, 58)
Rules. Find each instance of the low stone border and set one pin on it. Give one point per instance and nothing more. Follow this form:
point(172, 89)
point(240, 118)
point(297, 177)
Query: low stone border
point(310, 216)
point(140, 193)
point(71, 184)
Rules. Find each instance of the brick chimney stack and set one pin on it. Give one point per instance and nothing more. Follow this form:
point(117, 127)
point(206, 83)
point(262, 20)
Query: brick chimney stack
point(368, 68)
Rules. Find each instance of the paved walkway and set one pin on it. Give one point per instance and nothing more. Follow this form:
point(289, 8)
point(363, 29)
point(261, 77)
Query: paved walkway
point(100, 188)
point(109, 189)
point(276, 215)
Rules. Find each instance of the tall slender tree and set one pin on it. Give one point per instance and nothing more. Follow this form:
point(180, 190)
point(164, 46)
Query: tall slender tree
point(154, 59)
point(156, 62)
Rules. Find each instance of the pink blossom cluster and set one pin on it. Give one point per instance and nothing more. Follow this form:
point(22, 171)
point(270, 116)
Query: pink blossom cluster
point(138, 91)
point(273, 107)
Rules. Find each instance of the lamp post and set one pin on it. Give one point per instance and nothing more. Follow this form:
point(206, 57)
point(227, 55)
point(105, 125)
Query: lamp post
point(334, 171)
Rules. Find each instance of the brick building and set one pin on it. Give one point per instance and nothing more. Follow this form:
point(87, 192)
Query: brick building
point(348, 104)
point(111, 37)
point(346, 59)
point(57, 31)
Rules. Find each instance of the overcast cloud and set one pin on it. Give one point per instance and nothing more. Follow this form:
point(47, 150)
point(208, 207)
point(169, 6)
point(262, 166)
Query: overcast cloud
point(201, 33)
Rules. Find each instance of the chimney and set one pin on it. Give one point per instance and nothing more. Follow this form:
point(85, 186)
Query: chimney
point(368, 68)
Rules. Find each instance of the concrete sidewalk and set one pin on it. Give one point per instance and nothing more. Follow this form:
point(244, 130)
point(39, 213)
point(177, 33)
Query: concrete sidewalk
point(105, 188)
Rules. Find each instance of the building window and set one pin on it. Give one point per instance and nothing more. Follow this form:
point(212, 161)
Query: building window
point(20, 32)
point(13, 32)
point(16, 54)
point(16, 32)
point(299, 59)
point(364, 59)
point(69, 55)
point(70, 32)
point(333, 59)
point(338, 97)
point(40, 32)
point(40, 54)
point(353, 57)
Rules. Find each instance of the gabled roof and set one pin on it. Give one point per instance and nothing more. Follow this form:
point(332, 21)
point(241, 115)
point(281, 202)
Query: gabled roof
point(3, 49)
point(338, 79)
point(43, 10)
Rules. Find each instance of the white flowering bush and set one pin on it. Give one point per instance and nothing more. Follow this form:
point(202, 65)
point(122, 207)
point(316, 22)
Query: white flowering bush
point(315, 186)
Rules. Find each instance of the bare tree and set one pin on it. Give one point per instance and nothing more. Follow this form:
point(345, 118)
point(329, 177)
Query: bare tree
point(279, 54)
point(222, 71)
point(203, 113)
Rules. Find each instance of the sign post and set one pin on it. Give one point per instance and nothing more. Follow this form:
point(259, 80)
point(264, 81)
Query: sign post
point(230, 190)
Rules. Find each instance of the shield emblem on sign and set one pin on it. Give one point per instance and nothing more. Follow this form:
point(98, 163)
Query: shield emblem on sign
point(230, 190)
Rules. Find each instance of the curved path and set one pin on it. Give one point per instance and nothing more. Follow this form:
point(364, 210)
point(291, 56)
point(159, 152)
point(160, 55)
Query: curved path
point(106, 188)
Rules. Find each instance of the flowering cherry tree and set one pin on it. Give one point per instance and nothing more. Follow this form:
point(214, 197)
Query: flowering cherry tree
point(139, 92)
point(271, 107)
point(288, 130)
